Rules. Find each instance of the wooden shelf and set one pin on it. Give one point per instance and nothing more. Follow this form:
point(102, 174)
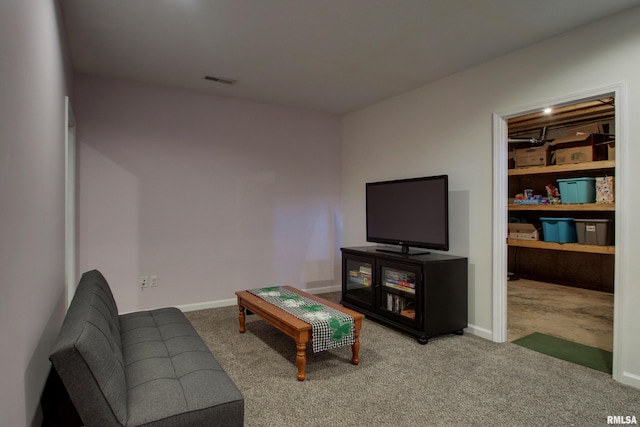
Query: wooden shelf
point(572, 264)
point(583, 207)
point(570, 247)
point(587, 166)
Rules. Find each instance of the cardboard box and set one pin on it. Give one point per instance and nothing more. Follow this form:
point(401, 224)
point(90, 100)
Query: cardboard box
point(534, 156)
point(566, 156)
point(578, 148)
point(611, 150)
point(523, 231)
point(577, 140)
point(583, 129)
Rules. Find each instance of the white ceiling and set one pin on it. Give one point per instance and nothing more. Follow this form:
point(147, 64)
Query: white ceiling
point(333, 56)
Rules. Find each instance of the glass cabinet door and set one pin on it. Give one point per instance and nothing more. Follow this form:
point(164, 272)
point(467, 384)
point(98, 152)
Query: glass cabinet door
point(358, 280)
point(399, 287)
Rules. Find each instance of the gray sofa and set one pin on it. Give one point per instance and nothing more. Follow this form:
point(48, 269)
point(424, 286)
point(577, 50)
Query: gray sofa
point(148, 368)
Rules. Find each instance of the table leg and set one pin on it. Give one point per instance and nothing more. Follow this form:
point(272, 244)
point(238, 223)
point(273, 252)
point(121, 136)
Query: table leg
point(241, 317)
point(355, 347)
point(301, 359)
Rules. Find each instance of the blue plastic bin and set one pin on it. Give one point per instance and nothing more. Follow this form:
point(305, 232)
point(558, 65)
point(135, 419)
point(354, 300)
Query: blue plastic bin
point(577, 190)
point(559, 230)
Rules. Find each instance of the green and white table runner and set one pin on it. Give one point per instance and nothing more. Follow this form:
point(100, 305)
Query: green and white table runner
point(330, 328)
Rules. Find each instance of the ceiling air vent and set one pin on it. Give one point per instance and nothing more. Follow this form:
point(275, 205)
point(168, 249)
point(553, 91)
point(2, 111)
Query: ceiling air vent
point(220, 80)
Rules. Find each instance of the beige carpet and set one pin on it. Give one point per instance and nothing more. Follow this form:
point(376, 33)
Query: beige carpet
point(452, 381)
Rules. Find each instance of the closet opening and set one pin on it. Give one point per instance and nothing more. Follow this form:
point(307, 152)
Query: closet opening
point(561, 217)
point(570, 266)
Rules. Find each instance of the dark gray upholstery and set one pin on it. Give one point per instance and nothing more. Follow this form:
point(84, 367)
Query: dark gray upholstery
point(146, 368)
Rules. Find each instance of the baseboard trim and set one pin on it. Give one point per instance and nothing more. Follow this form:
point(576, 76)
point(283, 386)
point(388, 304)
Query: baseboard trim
point(208, 304)
point(630, 379)
point(479, 332)
point(472, 329)
point(233, 301)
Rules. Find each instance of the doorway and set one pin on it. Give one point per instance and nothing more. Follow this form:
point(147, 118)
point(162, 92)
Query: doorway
point(501, 215)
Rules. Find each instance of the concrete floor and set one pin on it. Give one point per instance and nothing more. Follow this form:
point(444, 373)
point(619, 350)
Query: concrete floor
point(578, 315)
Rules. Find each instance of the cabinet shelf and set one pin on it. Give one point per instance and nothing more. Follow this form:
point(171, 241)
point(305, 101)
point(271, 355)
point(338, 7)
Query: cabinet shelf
point(587, 166)
point(584, 207)
point(569, 247)
point(399, 289)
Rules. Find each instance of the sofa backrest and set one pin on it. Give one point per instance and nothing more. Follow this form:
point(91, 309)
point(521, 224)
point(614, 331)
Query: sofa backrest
point(88, 354)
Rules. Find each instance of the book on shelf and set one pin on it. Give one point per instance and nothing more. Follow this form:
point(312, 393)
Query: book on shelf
point(366, 280)
point(401, 305)
point(395, 275)
point(408, 312)
point(400, 287)
point(395, 303)
point(359, 278)
point(402, 283)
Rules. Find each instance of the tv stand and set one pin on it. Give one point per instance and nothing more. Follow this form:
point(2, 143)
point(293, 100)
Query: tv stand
point(423, 295)
point(405, 250)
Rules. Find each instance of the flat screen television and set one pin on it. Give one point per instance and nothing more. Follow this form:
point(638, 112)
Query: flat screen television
point(409, 213)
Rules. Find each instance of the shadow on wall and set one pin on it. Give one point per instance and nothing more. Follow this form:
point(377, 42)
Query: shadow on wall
point(39, 365)
point(459, 222)
point(459, 241)
point(110, 223)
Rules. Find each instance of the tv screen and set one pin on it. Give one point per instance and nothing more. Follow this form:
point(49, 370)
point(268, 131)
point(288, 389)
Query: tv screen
point(409, 212)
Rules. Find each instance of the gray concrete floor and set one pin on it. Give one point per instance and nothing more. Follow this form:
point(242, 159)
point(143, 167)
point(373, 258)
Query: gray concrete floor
point(578, 315)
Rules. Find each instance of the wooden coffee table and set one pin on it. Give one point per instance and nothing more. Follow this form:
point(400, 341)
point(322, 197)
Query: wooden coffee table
point(297, 329)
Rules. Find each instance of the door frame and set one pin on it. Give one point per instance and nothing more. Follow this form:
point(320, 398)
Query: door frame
point(500, 213)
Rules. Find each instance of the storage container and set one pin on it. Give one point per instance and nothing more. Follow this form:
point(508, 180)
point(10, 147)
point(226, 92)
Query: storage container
point(559, 230)
point(605, 192)
point(593, 231)
point(577, 190)
point(521, 231)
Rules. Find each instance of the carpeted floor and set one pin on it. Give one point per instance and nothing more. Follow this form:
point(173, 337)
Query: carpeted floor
point(452, 381)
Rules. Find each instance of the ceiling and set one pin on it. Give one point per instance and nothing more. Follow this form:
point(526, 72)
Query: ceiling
point(332, 56)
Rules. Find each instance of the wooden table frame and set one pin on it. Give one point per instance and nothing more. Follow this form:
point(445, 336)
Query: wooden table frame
point(297, 329)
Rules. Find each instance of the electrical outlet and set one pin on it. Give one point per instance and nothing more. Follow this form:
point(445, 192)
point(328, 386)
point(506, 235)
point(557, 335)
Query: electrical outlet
point(144, 281)
point(153, 281)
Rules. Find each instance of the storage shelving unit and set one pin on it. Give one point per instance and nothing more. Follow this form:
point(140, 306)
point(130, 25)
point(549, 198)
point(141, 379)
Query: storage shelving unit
point(589, 168)
point(573, 264)
point(571, 247)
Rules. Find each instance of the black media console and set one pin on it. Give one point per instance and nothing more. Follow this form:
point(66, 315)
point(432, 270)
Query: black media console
point(423, 295)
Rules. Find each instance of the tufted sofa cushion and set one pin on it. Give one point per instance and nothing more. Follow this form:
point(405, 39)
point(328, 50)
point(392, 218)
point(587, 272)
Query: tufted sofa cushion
point(172, 377)
point(148, 368)
point(89, 347)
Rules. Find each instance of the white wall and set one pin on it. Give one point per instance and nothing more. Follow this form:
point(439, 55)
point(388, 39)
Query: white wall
point(213, 195)
point(446, 127)
point(32, 124)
